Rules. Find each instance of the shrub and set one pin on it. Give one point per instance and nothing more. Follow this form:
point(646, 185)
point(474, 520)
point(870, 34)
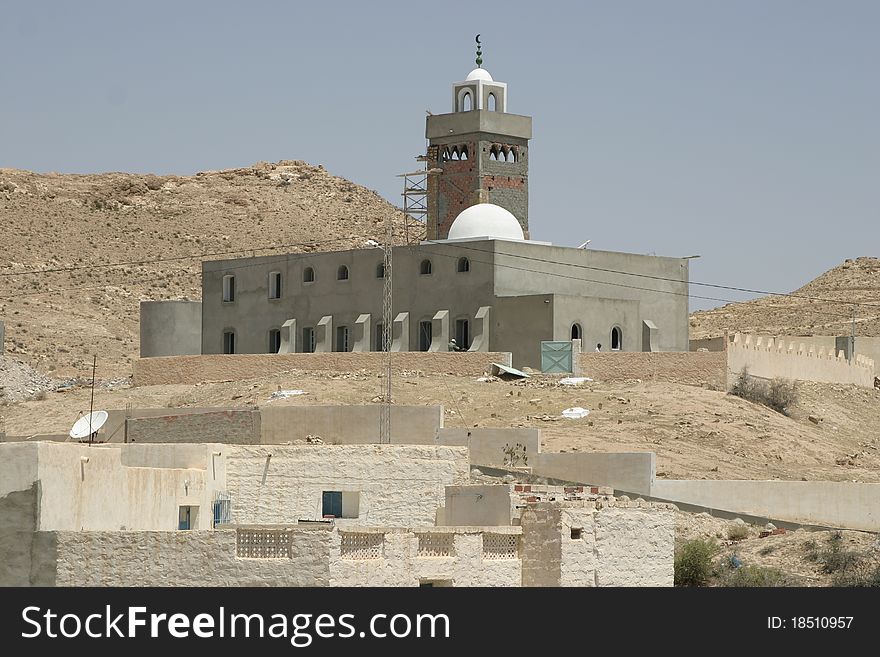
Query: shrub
point(778, 394)
point(693, 563)
point(858, 576)
point(836, 558)
point(754, 576)
point(737, 532)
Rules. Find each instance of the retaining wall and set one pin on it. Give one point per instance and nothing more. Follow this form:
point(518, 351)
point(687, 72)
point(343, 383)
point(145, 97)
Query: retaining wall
point(632, 471)
point(228, 427)
point(831, 503)
point(486, 445)
point(235, 367)
point(687, 367)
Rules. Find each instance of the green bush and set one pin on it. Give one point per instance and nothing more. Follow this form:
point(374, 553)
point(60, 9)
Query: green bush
point(753, 576)
point(737, 532)
point(778, 394)
point(858, 576)
point(693, 562)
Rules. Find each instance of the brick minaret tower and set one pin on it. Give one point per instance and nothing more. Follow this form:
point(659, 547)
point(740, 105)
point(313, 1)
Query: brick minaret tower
point(482, 153)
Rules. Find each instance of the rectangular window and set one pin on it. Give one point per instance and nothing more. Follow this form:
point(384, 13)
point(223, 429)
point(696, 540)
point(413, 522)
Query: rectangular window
point(228, 342)
point(341, 338)
point(274, 341)
point(380, 343)
point(229, 288)
point(426, 330)
point(463, 333)
point(340, 504)
point(308, 340)
point(275, 285)
point(188, 517)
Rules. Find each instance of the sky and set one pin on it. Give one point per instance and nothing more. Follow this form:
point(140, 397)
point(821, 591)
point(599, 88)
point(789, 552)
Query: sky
point(745, 132)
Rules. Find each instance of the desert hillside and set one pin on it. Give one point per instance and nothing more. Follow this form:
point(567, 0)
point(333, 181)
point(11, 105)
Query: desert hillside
point(56, 320)
point(854, 281)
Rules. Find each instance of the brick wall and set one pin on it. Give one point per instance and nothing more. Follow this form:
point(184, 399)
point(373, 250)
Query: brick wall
point(690, 368)
point(232, 427)
point(196, 369)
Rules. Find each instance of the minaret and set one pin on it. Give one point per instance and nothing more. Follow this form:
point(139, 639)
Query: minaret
point(481, 150)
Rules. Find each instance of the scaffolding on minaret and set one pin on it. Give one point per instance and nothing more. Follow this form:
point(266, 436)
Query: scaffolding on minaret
point(415, 197)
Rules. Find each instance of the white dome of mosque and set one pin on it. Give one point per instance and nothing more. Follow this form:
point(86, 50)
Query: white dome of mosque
point(485, 220)
point(479, 74)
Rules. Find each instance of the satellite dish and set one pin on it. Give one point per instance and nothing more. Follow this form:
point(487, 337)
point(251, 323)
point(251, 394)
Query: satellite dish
point(88, 425)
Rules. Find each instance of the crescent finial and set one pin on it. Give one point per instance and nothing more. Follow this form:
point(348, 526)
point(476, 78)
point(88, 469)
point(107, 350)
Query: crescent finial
point(479, 59)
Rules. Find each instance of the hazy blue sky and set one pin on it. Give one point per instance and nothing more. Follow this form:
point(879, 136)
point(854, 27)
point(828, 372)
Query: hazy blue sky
point(746, 131)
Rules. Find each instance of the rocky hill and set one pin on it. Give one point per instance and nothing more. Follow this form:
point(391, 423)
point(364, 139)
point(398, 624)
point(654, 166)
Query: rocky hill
point(62, 301)
point(854, 281)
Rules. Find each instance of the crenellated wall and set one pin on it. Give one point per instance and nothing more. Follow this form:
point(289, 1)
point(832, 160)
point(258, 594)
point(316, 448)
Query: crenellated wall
point(769, 358)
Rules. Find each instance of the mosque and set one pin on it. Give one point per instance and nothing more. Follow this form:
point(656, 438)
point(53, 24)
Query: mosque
point(477, 278)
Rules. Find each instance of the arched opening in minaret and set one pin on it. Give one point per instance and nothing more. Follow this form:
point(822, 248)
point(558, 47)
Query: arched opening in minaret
point(467, 102)
point(490, 103)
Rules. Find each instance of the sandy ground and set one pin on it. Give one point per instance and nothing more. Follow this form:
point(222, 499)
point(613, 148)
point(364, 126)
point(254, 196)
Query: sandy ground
point(696, 433)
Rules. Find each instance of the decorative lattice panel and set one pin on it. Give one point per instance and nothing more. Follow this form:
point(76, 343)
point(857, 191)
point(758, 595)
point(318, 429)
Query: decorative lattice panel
point(500, 546)
point(262, 544)
point(435, 545)
point(362, 546)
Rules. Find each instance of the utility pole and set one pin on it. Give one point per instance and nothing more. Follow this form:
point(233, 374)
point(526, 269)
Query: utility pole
point(852, 339)
point(387, 326)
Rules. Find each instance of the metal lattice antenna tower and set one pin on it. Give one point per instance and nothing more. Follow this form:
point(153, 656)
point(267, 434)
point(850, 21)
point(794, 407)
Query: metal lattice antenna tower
point(387, 325)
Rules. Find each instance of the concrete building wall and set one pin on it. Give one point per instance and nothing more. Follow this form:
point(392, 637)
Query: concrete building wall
point(635, 544)
point(521, 323)
point(486, 445)
point(350, 425)
point(253, 314)
point(843, 504)
point(596, 318)
point(769, 359)
point(400, 562)
point(605, 543)
point(523, 268)
point(170, 328)
point(689, 368)
point(631, 472)
point(191, 558)
point(228, 427)
point(106, 488)
point(478, 505)
point(197, 369)
point(396, 484)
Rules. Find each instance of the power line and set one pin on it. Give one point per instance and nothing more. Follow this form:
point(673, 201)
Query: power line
point(673, 280)
point(268, 259)
point(173, 259)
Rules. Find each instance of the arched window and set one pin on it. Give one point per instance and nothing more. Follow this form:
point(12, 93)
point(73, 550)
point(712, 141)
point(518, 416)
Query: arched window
point(492, 154)
point(576, 333)
point(342, 273)
point(229, 288)
point(463, 265)
point(380, 270)
point(464, 152)
point(512, 154)
point(616, 339)
point(491, 102)
point(467, 102)
point(308, 275)
point(425, 268)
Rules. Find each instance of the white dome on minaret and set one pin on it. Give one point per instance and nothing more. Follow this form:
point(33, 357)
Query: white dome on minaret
point(479, 74)
point(485, 220)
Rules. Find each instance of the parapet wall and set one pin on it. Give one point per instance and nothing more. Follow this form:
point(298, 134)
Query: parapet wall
point(235, 367)
point(687, 367)
point(768, 358)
